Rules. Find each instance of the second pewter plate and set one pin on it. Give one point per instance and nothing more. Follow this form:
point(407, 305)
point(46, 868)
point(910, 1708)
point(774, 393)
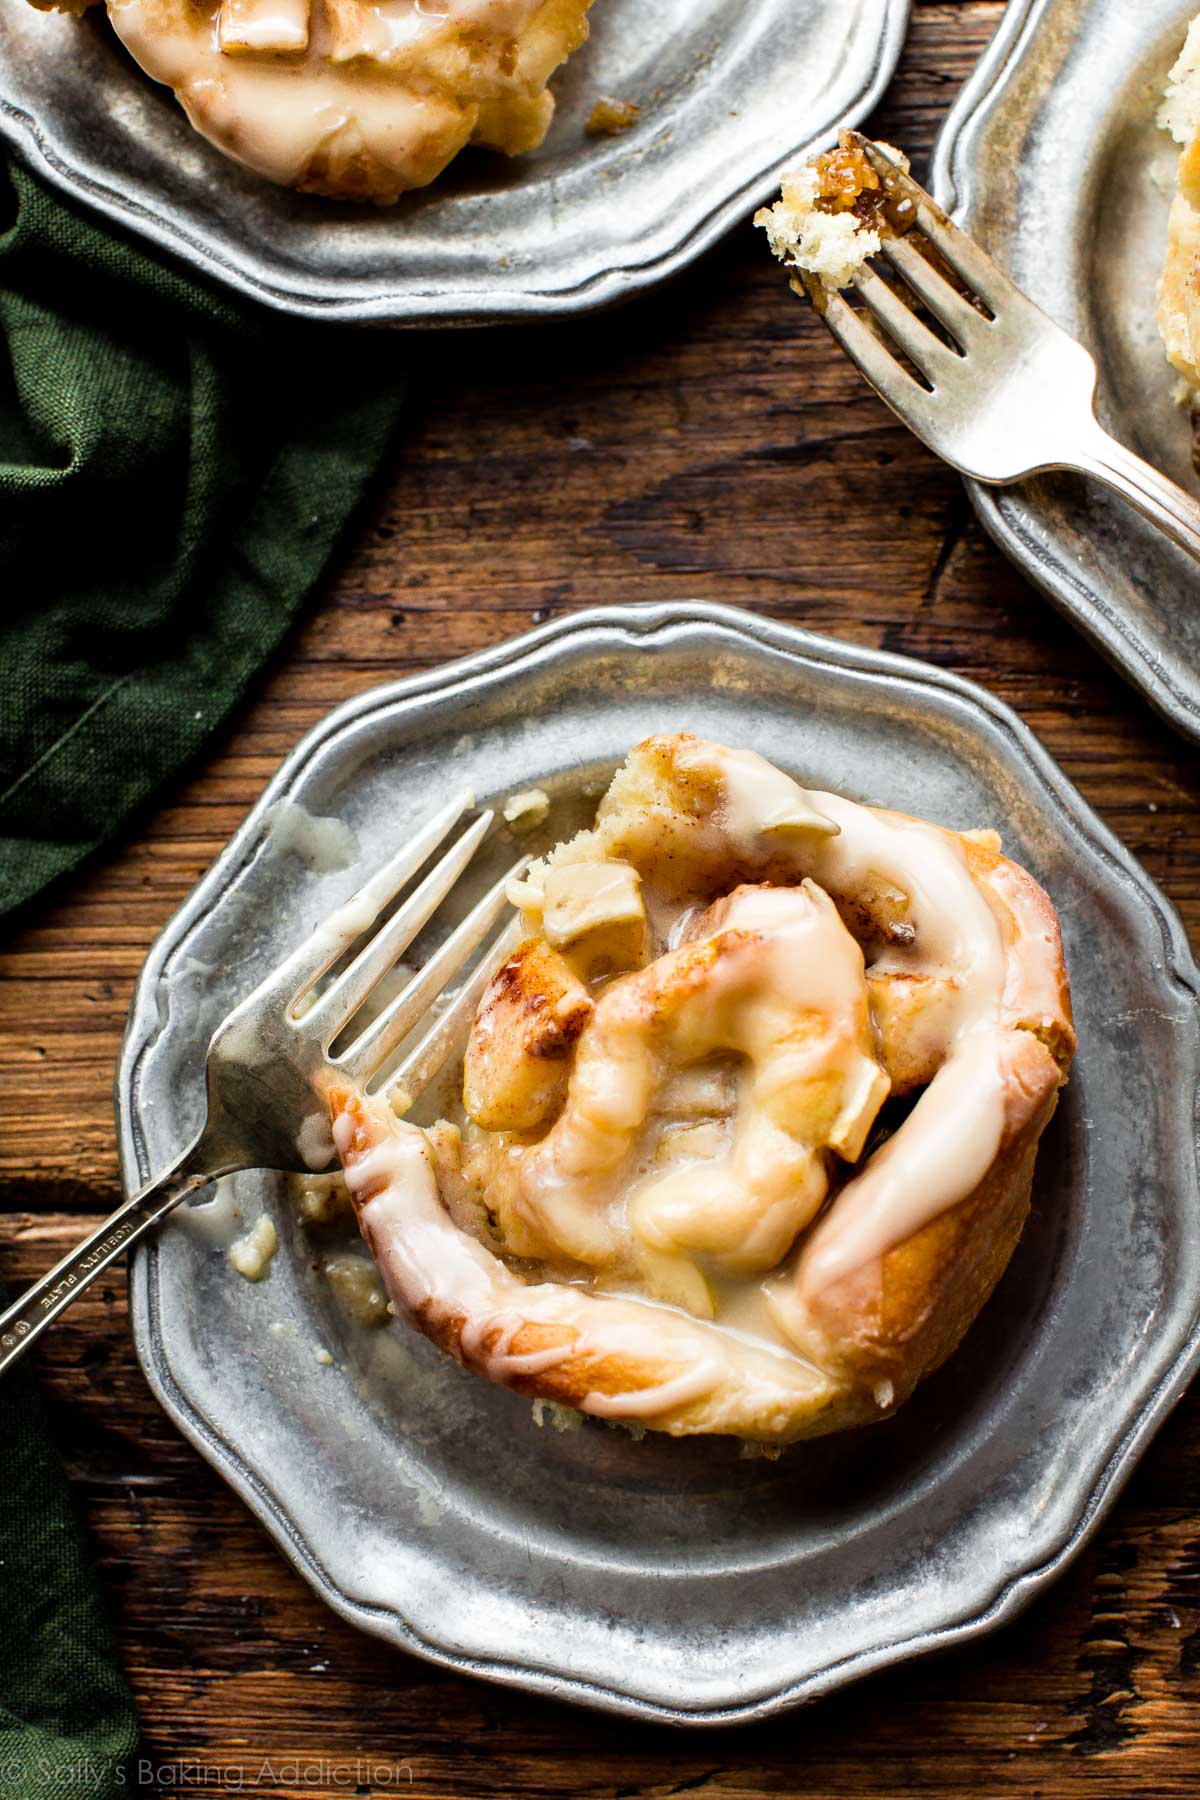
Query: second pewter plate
point(1052, 159)
point(674, 1580)
point(731, 94)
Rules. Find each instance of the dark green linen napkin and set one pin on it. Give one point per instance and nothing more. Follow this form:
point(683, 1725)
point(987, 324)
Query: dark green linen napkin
point(175, 470)
point(67, 1724)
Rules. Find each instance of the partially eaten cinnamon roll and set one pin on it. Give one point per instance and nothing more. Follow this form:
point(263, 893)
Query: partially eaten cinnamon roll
point(751, 1114)
point(354, 99)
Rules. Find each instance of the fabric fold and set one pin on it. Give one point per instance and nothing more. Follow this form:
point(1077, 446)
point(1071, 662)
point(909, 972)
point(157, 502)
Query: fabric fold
point(176, 469)
point(67, 1721)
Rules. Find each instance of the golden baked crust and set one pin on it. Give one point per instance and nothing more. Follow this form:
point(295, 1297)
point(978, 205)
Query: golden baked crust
point(530, 1019)
point(355, 99)
point(702, 1230)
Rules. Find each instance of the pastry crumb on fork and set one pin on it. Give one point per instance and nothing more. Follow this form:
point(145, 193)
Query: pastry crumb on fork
point(834, 212)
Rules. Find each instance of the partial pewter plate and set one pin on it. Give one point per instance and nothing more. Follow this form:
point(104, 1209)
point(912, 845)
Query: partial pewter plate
point(730, 95)
point(675, 1580)
point(1051, 158)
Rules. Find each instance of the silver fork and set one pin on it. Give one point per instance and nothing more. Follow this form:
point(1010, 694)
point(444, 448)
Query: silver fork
point(270, 1062)
point(1015, 396)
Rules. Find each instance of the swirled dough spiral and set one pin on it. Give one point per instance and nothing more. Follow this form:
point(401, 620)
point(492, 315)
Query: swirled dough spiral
point(679, 1202)
point(355, 99)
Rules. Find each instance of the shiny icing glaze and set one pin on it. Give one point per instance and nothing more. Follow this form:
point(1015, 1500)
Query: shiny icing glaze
point(280, 84)
point(571, 1182)
point(444, 1276)
point(757, 966)
point(951, 1137)
point(714, 1091)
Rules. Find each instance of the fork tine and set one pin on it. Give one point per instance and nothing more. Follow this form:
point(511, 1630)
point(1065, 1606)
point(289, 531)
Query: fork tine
point(916, 340)
point(364, 1056)
point(892, 382)
point(931, 287)
point(422, 1064)
point(976, 267)
point(323, 946)
point(335, 1007)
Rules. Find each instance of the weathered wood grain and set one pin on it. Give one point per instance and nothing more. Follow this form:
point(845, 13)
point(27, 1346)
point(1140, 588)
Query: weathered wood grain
point(706, 442)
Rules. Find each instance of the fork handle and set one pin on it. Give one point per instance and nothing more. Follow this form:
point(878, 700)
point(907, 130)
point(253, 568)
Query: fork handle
point(26, 1319)
point(1155, 496)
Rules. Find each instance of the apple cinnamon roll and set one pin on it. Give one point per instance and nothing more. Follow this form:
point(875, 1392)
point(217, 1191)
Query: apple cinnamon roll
point(750, 1116)
point(354, 99)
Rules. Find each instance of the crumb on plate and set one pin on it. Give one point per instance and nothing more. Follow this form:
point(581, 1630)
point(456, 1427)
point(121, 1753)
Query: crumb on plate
point(609, 118)
point(251, 1254)
point(755, 1450)
point(561, 1418)
point(526, 811)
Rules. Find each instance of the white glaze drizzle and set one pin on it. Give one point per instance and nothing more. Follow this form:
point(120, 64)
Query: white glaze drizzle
point(760, 800)
point(571, 1184)
point(643, 1403)
point(937, 1157)
point(357, 72)
point(438, 1272)
point(956, 934)
point(783, 954)
point(498, 1357)
point(747, 1207)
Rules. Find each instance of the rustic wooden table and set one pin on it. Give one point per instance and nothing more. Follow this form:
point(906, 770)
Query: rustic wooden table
point(708, 442)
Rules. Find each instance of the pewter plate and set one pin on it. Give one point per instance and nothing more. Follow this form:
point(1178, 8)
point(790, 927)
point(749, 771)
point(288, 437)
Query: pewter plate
point(1052, 159)
point(730, 94)
point(673, 1580)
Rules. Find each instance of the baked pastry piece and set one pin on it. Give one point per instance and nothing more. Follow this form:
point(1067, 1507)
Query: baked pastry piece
point(678, 1199)
point(1179, 289)
point(833, 213)
point(355, 99)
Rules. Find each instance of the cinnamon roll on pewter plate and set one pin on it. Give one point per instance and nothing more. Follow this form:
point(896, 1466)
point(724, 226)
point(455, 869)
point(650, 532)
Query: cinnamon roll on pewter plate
point(751, 1113)
point(353, 99)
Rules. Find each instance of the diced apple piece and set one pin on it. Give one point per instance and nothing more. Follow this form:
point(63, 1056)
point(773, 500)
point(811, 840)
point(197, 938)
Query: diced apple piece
point(677, 1281)
point(255, 27)
point(594, 913)
point(692, 1143)
point(864, 1091)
